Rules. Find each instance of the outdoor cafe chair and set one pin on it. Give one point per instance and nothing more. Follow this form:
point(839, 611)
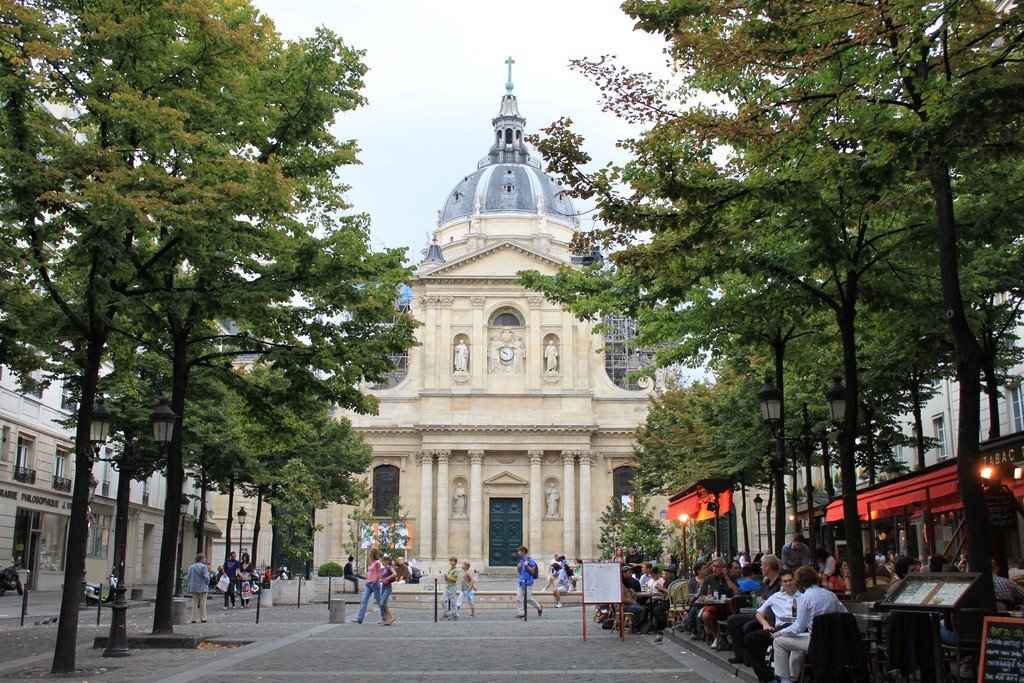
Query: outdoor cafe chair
point(678, 603)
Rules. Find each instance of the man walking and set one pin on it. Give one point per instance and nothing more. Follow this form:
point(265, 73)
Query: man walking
point(448, 597)
point(524, 590)
point(199, 586)
point(231, 566)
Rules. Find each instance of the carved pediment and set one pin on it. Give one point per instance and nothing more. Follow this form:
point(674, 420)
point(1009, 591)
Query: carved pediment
point(506, 479)
point(503, 259)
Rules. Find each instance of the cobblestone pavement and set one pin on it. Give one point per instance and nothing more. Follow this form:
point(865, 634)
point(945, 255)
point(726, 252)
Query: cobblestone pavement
point(291, 643)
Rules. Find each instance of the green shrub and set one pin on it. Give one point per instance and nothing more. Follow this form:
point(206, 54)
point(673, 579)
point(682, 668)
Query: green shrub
point(330, 569)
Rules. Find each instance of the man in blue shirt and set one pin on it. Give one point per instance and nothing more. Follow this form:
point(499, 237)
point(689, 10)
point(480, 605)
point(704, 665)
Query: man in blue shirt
point(748, 584)
point(231, 566)
point(524, 590)
point(791, 642)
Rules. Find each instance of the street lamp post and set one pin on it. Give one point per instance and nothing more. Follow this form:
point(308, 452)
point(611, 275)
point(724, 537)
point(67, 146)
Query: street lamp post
point(758, 504)
point(683, 520)
point(241, 514)
point(181, 540)
point(804, 442)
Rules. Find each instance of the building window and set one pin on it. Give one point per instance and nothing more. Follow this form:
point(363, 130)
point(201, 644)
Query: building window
point(37, 389)
point(622, 484)
point(621, 360)
point(67, 398)
point(939, 424)
point(99, 536)
point(1016, 409)
point(385, 488)
point(145, 492)
point(23, 452)
point(506, 319)
point(60, 462)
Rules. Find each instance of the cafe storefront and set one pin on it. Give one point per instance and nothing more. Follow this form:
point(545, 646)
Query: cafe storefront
point(38, 524)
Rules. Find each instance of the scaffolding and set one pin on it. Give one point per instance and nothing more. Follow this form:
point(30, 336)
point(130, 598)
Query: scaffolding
point(622, 361)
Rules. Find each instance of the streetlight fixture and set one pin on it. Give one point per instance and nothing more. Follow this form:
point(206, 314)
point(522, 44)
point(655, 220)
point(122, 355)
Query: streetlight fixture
point(185, 502)
point(683, 520)
point(758, 505)
point(99, 425)
point(241, 514)
point(836, 397)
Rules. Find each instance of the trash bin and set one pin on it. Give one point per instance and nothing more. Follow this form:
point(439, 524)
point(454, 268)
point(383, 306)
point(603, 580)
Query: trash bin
point(337, 611)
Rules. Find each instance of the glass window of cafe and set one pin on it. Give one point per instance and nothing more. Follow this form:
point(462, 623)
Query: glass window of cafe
point(48, 534)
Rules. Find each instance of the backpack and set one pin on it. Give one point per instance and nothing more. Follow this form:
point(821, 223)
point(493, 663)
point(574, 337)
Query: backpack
point(532, 567)
point(416, 574)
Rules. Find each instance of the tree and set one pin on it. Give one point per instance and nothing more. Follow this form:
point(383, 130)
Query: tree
point(299, 496)
point(613, 524)
point(633, 525)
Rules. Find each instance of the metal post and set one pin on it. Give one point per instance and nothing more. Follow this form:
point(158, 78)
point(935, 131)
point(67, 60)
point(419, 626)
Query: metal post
point(298, 600)
point(329, 592)
point(117, 639)
point(259, 596)
point(99, 605)
point(181, 550)
point(759, 545)
point(435, 601)
point(28, 563)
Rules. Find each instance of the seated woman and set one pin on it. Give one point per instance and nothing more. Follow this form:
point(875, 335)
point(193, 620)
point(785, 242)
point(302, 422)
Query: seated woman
point(840, 579)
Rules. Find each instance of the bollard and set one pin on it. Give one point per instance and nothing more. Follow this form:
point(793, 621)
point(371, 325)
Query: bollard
point(259, 597)
point(99, 605)
point(435, 601)
point(337, 612)
point(24, 601)
point(298, 598)
point(329, 592)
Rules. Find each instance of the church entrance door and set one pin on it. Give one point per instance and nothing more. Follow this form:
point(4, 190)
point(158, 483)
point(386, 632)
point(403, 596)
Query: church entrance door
point(506, 531)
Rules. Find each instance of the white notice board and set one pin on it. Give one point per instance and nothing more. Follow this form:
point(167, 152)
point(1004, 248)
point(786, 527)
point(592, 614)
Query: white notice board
point(602, 582)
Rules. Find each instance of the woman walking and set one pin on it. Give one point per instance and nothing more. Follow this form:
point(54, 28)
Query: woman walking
point(246, 573)
point(388, 576)
point(466, 587)
point(372, 586)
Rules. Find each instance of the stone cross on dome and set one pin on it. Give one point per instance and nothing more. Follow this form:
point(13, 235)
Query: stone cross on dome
point(508, 84)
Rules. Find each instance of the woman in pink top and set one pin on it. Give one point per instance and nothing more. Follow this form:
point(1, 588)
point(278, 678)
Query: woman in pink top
point(372, 587)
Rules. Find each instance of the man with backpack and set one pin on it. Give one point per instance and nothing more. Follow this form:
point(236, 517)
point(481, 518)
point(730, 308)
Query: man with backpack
point(524, 590)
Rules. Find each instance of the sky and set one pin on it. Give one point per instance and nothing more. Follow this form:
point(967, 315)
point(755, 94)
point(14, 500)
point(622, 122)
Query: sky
point(437, 75)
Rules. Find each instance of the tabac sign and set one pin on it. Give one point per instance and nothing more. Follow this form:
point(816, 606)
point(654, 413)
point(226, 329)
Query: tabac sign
point(1006, 451)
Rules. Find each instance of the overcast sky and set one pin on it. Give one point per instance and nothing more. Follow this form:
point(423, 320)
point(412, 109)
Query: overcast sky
point(437, 75)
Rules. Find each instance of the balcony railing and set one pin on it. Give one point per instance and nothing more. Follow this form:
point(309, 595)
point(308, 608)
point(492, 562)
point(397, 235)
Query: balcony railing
point(24, 474)
point(61, 484)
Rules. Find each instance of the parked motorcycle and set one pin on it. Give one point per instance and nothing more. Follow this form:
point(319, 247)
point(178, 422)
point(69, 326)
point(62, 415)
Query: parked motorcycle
point(9, 580)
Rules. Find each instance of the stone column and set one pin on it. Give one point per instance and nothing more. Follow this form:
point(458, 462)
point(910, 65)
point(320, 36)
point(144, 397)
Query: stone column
point(536, 502)
point(426, 521)
point(586, 506)
point(569, 503)
point(444, 506)
point(476, 507)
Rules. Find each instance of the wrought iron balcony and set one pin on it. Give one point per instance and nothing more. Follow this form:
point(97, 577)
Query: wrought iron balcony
point(24, 474)
point(61, 484)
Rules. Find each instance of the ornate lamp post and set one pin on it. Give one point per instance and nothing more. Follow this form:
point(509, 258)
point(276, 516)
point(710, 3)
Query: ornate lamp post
point(683, 521)
point(241, 514)
point(758, 505)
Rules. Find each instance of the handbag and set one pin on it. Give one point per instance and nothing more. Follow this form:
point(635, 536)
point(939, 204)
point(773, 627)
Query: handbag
point(223, 583)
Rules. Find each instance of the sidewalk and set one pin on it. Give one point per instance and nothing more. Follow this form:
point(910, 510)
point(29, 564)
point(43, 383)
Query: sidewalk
point(292, 643)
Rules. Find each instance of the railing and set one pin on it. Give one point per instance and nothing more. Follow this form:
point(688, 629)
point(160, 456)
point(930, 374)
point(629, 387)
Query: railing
point(61, 484)
point(24, 474)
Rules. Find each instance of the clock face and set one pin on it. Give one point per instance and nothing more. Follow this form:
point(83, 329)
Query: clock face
point(505, 353)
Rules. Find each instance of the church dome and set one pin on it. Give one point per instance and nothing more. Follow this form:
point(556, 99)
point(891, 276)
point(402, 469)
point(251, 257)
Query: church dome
point(508, 179)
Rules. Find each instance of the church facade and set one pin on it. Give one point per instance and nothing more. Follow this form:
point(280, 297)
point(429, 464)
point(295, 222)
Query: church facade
point(506, 425)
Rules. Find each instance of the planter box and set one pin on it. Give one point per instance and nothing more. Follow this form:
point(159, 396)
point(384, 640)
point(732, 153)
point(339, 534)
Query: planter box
point(286, 592)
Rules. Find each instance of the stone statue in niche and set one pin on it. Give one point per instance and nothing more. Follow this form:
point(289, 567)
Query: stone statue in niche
point(551, 500)
point(551, 357)
point(461, 357)
point(459, 501)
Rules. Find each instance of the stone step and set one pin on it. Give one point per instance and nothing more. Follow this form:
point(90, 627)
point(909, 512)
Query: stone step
point(483, 600)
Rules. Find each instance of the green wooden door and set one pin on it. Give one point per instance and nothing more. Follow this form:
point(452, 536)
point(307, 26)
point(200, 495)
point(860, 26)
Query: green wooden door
point(506, 531)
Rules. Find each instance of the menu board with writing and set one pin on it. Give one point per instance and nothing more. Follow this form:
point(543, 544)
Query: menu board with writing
point(602, 582)
point(931, 591)
point(1002, 650)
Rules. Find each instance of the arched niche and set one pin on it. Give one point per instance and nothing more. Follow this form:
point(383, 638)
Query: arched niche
point(459, 504)
point(551, 354)
point(462, 354)
point(552, 498)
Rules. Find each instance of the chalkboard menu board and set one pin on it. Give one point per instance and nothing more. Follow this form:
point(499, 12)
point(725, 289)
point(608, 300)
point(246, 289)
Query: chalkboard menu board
point(1002, 650)
point(1002, 514)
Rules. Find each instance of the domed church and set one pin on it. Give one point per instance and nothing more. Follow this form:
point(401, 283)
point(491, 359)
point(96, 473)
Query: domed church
point(507, 425)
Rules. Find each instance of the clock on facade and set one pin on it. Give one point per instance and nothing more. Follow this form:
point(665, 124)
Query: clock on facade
point(505, 354)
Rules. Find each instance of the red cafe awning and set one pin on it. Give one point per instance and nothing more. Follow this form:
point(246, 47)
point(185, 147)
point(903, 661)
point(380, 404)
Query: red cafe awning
point(694, 502)
point(926, 488)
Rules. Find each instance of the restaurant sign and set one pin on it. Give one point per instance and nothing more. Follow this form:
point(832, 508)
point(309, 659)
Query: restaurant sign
point(1006, 451)
point(35, 500)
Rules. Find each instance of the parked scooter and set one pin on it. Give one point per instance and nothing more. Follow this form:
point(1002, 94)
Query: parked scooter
point(10, 581)
point(92, 593)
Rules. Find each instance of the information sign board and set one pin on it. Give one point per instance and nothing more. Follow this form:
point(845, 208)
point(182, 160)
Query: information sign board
point(1002, 650)
point(602, 582)
point(931, 591)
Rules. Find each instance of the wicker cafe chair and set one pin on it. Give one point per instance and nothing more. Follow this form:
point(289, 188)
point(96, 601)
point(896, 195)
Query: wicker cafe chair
point(678, 603)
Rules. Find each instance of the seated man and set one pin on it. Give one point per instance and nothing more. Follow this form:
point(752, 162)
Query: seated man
point(791, 642)
point(740, 624)
point(645, 577)
point(1007, 591)
point(718, 585)
point(776, 611)
point(630, 587)
point(747, 582)
point(349, 574)
point(657, 605)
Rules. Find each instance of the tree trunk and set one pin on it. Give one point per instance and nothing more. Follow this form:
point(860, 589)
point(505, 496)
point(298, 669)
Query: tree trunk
point(992, 391)
point(918, 424)
point(768, 514)
point(780, 454)
point(231, 513)
point(201, 527)
point(847, 438)
point(810, 486)
point(64, 651)
point(256, 525)
point(826, 466)
point(968, 375)
point(743, 516)
point(167, 575)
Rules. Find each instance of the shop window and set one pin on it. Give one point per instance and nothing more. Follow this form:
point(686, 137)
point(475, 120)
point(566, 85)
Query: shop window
point(99, 536)
point(385, 488)
point(1016, 409)
point(941, 447)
